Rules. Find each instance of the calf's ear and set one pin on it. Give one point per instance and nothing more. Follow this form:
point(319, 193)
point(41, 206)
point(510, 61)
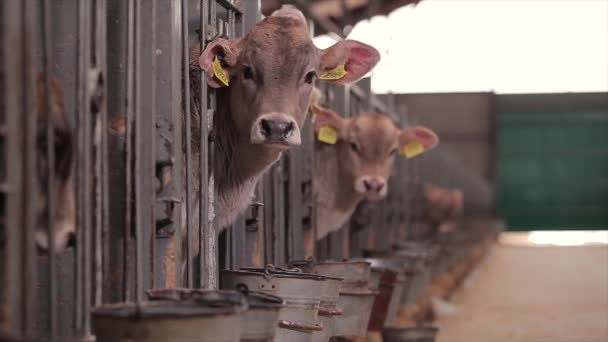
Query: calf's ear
point(424, 136)
point(356, 58)
point(227, 53)
point(325, 117)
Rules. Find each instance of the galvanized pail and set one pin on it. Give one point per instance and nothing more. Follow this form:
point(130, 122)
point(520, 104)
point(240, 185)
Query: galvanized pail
point(356, 299)
point(301, 293)
point(172, 320)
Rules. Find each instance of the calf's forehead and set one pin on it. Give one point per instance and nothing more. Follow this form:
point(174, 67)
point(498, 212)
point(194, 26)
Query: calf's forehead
point(280, 42)
point(375, 129)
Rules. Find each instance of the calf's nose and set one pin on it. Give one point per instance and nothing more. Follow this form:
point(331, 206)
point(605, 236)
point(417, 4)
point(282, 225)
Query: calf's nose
point(373, 185)
point(276, 129)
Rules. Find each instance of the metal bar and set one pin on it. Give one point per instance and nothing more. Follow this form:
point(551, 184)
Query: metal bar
point(87, 165)
point(104, 240)
point(212, 257)
point(16, 50)
point(47, 62)
point(129, 143)
point(144, 102)
point(102, 157)
point(204, 149)
point(188, 128)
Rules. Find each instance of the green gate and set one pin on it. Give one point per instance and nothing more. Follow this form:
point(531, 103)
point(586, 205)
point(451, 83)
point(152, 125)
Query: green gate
point(553, 161)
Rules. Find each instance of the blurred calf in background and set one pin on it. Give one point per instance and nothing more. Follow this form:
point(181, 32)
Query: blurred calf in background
point(63, 220)
point(442, 208)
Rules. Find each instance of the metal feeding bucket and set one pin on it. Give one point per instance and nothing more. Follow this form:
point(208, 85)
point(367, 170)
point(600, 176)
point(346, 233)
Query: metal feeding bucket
point(356, 299)
point(385, 274)
point(409, 265)
point(329, 311)
point(300, 292)
point(420, 257)
point(259, 320)
point(212, 316)
point(410, 334)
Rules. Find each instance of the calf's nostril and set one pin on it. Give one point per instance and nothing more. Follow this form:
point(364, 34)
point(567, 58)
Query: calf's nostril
point(288, 130)
point(368, 185)
point(265, 128)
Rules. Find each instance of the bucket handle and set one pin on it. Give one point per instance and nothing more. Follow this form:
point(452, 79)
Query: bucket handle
point(299, 326)
point(330, 312)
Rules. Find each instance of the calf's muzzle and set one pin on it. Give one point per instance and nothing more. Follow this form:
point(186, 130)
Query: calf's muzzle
point(275, 129)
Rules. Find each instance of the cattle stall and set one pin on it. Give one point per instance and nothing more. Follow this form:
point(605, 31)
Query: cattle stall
point(124, 72)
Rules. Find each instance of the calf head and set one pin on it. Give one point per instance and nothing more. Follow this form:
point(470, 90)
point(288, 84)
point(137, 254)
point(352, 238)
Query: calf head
point(443, 206)
point(443, 199)
point(63, 222)
point(367, 145)
point(270, 73)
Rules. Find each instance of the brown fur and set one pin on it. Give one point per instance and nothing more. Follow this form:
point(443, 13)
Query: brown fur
point(65, 211)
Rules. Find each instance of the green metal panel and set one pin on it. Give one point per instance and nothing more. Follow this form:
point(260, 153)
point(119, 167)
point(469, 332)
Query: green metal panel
point(553, 169)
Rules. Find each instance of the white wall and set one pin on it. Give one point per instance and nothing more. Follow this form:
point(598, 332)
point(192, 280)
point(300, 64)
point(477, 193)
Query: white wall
point(509, 46)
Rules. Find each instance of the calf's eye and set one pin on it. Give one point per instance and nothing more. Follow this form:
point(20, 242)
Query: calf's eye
point(393, 152)
point(354, 147)
point(247, 72)
point(310, 76)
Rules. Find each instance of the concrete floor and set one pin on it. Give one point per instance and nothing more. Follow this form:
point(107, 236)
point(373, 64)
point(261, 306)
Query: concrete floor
point(533, 294)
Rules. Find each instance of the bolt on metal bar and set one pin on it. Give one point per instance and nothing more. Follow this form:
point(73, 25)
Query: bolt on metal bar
point(188, 124)
point(47, 62)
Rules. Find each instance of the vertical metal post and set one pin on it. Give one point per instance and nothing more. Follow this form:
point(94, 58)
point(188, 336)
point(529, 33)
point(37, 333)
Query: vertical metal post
point(204, 148)
point(129, 145)
point(102, 231)
point(144, 103)
point(18, 293)
point(47, 61)
point(211, 238)
point(188, 137)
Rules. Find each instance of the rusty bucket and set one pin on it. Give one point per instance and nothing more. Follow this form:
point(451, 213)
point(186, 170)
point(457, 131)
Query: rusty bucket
point(216, 313)
point(410, 334)
point(301, 293)
point(356, 298)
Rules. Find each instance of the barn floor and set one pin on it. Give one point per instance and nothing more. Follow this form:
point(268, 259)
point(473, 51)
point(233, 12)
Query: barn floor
point(524, 293)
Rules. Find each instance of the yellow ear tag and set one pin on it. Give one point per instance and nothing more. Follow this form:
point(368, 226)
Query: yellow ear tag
point(219, 72)
point(412, 149)
point(335, 74)
point(328, 135)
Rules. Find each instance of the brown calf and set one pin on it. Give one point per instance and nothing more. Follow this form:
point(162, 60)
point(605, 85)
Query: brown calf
point(357, 166)
point(443, 207)
point(63, 222)
point(270, 73)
